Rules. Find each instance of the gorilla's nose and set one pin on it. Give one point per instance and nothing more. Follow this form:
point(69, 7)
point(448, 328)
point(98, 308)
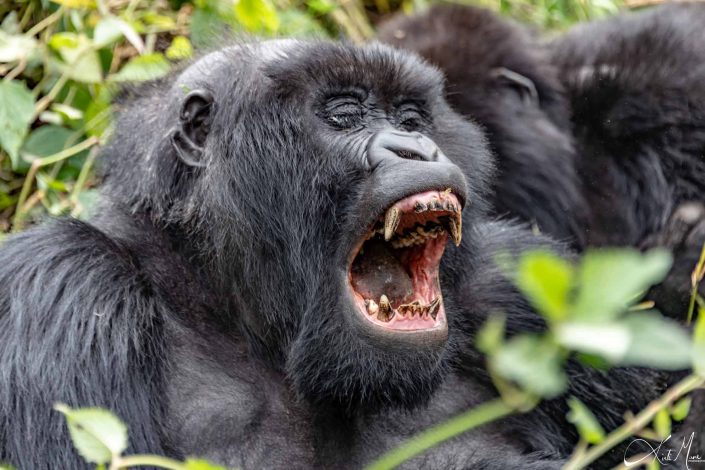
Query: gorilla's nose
point(394, 144)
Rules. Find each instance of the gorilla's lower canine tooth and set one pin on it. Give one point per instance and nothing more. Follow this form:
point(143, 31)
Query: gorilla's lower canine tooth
point(391, 222)
point(433, 307)
point(385, 309)
point(456, 230)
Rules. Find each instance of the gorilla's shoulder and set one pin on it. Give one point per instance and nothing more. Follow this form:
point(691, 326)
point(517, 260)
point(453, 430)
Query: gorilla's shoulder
point(48, 272)
point(62, 245)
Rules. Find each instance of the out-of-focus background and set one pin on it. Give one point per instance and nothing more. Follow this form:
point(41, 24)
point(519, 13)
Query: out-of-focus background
point(62, 61)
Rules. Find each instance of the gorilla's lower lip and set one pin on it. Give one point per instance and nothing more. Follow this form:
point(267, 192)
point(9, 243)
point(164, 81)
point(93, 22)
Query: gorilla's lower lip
point(394, 269)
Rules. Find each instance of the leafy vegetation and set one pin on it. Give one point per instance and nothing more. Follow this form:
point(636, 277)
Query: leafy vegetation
point(592, 315)
point(62, 61)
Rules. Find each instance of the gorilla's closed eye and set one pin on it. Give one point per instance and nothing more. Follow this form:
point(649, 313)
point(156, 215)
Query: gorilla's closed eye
point(411, 117)
point(343, 111)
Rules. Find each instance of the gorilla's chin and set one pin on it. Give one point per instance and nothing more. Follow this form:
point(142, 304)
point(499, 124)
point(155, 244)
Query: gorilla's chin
point(393, 269)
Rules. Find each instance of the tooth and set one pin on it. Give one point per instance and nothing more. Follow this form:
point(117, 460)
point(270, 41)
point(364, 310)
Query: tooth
point(456, 230)
point(391, 222)
point(433, 307)
point(385, 309)
point(372, 307)
point(419, 207)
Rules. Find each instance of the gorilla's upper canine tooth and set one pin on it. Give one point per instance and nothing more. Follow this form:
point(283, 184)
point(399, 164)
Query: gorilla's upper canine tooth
point(419, 207)
point(391, 222)
point(456, 230)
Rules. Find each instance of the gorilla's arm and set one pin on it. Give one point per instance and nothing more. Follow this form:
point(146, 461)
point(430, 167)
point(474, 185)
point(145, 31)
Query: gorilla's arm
point(77, 325)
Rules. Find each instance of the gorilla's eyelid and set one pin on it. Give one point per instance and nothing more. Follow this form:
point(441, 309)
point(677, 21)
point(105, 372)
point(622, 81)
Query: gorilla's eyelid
point(519, 79)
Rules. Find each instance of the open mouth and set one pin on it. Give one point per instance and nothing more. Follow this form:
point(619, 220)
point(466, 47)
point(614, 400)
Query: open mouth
point(394, 271)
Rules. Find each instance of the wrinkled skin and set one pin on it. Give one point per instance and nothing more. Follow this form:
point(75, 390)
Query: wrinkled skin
point(208, 303)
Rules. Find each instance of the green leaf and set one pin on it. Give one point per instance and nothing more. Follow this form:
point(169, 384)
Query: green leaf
point(490, 338)
point(586, 423)
point(611, 279)
point(16, 111)
point(143, 68)
point(110, 29)
point(97, 434)
point(199, 464)
point(546, 280)
point(98, 114)
point(534, 363)
point(257, 15)
point(81, 60)
point(656, 342)
point(180, 48)
point(16, 46)
point(681, 408)
point(44, 141)
point(208, 28)
point(609, 340)
point(662, 423)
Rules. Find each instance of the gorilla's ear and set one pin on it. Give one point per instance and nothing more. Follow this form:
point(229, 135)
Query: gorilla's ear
point(524, 86)
point(194, 124)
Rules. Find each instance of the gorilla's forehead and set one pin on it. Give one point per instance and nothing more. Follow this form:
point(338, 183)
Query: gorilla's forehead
point(324, 63)
point(306, 64)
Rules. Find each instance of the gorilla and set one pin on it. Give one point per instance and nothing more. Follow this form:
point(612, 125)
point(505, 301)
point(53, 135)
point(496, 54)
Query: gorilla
point(266, 282)
point(599, 133)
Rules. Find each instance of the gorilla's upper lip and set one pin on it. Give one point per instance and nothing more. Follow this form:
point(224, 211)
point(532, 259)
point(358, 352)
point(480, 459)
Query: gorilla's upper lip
point(393, 274)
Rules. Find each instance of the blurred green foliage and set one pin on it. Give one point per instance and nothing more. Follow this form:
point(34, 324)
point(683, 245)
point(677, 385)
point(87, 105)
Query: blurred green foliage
point(62, 61)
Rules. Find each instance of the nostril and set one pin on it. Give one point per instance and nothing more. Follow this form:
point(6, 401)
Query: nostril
point(390, 145)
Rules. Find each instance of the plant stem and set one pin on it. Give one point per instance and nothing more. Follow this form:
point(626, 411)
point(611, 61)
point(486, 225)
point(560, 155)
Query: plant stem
point(146, 460)
point(696, 277)
point(471, 419)
point(633, 426)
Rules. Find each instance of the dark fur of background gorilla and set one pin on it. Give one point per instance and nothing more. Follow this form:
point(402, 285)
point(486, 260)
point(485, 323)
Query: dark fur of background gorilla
point(609, 118)
point(600, 135)
point(204, 302)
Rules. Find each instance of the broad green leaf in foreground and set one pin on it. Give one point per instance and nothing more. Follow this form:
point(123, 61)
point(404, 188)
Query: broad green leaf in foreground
point(533, 363)
point(641, 339)
point(97, 434)
point(610, 280)
point(546, 279)
point(16, 111)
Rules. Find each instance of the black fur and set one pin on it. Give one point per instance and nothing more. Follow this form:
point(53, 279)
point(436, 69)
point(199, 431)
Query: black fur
point(625, 156)
point(204, 303)
point(610, 150)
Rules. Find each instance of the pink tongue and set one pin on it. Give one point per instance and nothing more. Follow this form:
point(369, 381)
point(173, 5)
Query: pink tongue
point(377, 271)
